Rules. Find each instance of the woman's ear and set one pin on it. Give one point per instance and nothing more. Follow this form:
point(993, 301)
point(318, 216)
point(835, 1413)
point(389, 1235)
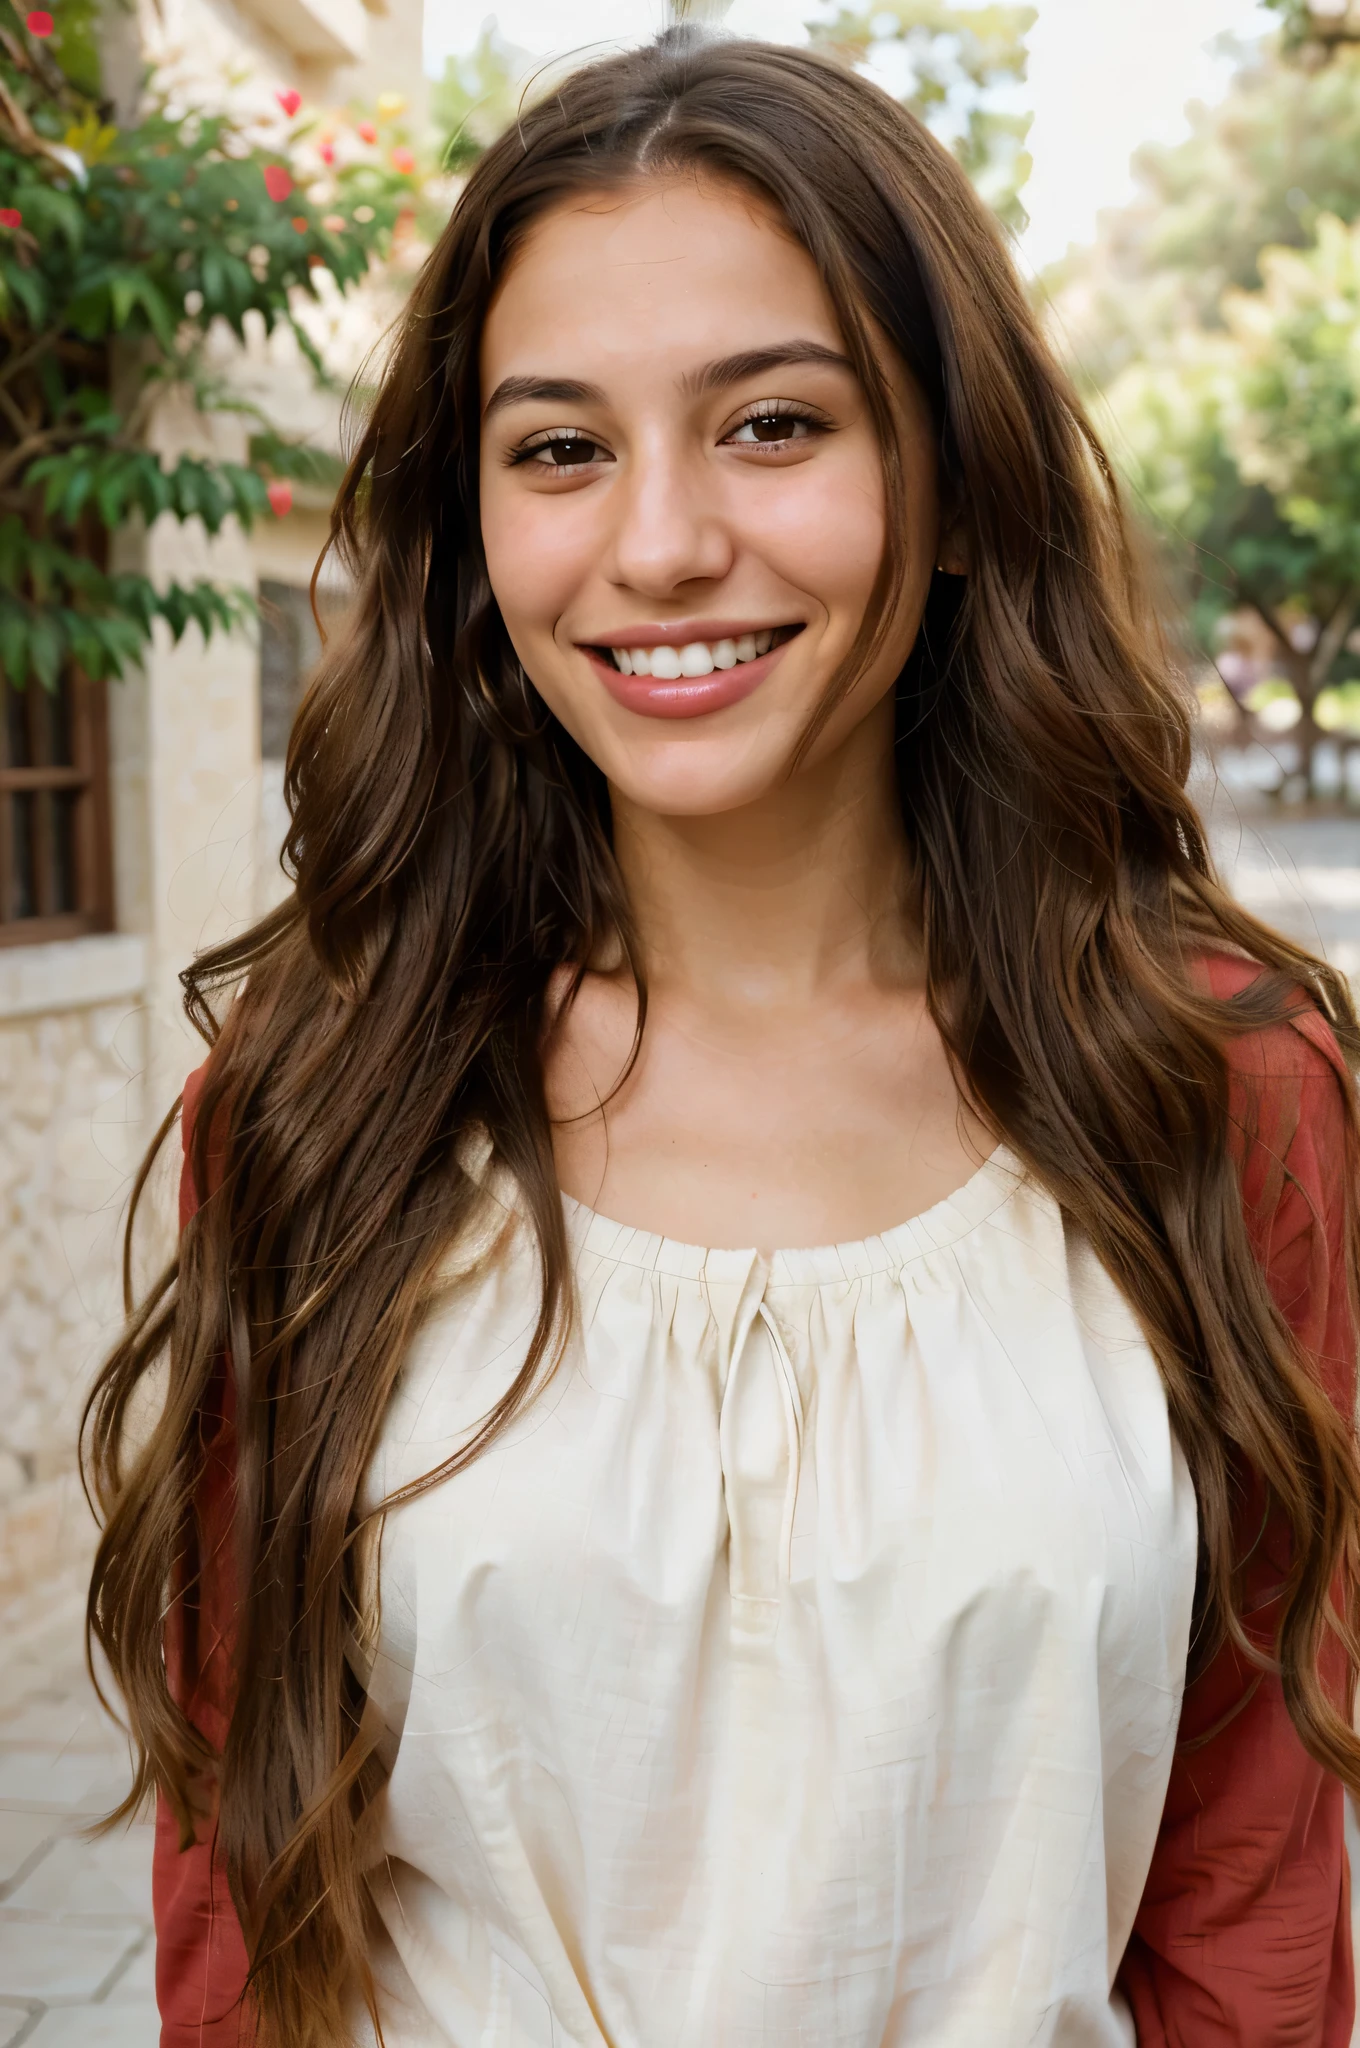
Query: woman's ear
point(951, 556)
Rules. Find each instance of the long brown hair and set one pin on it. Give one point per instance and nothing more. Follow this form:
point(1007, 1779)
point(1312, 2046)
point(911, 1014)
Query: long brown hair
point(451, 848)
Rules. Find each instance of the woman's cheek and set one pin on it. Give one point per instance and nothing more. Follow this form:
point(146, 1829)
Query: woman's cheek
point(534, 555)
point(824, 534)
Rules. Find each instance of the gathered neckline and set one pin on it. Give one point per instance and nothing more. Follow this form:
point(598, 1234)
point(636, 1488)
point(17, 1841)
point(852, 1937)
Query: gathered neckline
point(944, 1223)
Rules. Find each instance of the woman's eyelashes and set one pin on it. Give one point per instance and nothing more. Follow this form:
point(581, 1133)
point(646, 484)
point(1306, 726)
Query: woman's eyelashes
point(560, 449)
point(770, 425)
point(776, 423)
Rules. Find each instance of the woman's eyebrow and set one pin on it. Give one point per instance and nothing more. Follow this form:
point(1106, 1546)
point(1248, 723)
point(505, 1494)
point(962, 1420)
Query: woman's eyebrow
point(754, 362)
point(714, 376)
point(552, 390)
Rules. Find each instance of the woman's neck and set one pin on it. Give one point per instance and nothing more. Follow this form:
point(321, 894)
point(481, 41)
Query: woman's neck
point(790, 1087)
point(783, 899)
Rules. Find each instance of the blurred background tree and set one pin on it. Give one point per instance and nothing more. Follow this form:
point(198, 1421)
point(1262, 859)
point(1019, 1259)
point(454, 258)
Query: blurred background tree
point(1244, 442)
point(1215, 325)
point(960, 67)
point(122, 245)
point(1317, 26)
point(477, 96)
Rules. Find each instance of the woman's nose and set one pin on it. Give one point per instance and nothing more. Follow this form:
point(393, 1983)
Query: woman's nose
point(669, 529)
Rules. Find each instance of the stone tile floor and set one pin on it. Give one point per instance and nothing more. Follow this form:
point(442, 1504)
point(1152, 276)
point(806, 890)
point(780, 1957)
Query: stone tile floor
point(76, 1949)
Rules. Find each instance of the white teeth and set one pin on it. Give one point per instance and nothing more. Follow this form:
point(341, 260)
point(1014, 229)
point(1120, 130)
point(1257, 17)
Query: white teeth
point(695, 659)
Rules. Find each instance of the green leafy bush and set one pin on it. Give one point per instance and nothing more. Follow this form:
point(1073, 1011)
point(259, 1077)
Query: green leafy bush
point(120, 247)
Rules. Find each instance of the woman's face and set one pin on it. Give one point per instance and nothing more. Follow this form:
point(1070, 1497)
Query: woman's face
point(682, 494)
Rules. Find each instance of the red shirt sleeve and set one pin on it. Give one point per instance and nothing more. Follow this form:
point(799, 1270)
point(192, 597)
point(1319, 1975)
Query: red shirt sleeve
point(201, 1961)
point(1243, 1936)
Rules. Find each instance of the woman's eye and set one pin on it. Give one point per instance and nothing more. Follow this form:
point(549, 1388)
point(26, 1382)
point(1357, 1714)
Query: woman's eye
point(562, 451)
point(773, 427)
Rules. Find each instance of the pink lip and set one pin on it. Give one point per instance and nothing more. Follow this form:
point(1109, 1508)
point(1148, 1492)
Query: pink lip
point(681, 632)
point(687, 696)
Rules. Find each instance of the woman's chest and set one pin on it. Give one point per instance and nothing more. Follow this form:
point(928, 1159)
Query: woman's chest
point(814, 1637)
point(909, 1481)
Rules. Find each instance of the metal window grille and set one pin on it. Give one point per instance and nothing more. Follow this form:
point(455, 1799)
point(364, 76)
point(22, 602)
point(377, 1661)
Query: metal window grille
point(55, 864)
point(289, 647)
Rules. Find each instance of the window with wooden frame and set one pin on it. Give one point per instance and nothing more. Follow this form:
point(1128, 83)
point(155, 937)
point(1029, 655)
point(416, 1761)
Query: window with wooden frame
point(56, 878)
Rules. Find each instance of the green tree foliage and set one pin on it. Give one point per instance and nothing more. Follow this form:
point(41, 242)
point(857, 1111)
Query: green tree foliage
point(1217, 324)
point(1258, 170)
point(477, 96)
point(1244, 440)
point(960, 66)
point(119, 247)
point(1318, 27)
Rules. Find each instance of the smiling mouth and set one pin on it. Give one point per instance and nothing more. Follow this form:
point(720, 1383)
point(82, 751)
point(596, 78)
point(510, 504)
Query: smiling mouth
point(697, 658)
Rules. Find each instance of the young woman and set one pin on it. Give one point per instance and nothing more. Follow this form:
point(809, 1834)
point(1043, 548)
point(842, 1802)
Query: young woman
point(747, 811)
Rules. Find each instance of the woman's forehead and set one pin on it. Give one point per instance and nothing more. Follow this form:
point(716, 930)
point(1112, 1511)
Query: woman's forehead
point(624, 270)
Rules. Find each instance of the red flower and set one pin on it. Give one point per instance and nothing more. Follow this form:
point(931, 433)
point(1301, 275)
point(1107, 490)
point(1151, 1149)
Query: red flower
point(280, 495)
point(277, 182)
point(300, 223)
point(367, 132)
point(326, 151)
point(10, 217)
point(39, 23)
point(290, 101)
point(403, 161)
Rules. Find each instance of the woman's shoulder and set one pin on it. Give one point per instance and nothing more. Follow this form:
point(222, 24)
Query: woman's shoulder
point(1294, 1050)
point(1290, 1104)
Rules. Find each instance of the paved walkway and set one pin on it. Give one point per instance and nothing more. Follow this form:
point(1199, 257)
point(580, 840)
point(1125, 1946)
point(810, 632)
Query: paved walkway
point(1301, 875)
point(76, 1952)
point(76, 1956)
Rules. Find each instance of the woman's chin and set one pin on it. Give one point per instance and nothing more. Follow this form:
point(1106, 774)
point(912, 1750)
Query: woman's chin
point(705, 781)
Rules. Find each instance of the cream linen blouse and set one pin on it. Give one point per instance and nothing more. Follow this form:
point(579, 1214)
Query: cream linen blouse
point(803, 1664)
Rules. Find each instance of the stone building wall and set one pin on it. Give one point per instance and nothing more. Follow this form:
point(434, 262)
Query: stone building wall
point(93, 1042)
point(72, 1051)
